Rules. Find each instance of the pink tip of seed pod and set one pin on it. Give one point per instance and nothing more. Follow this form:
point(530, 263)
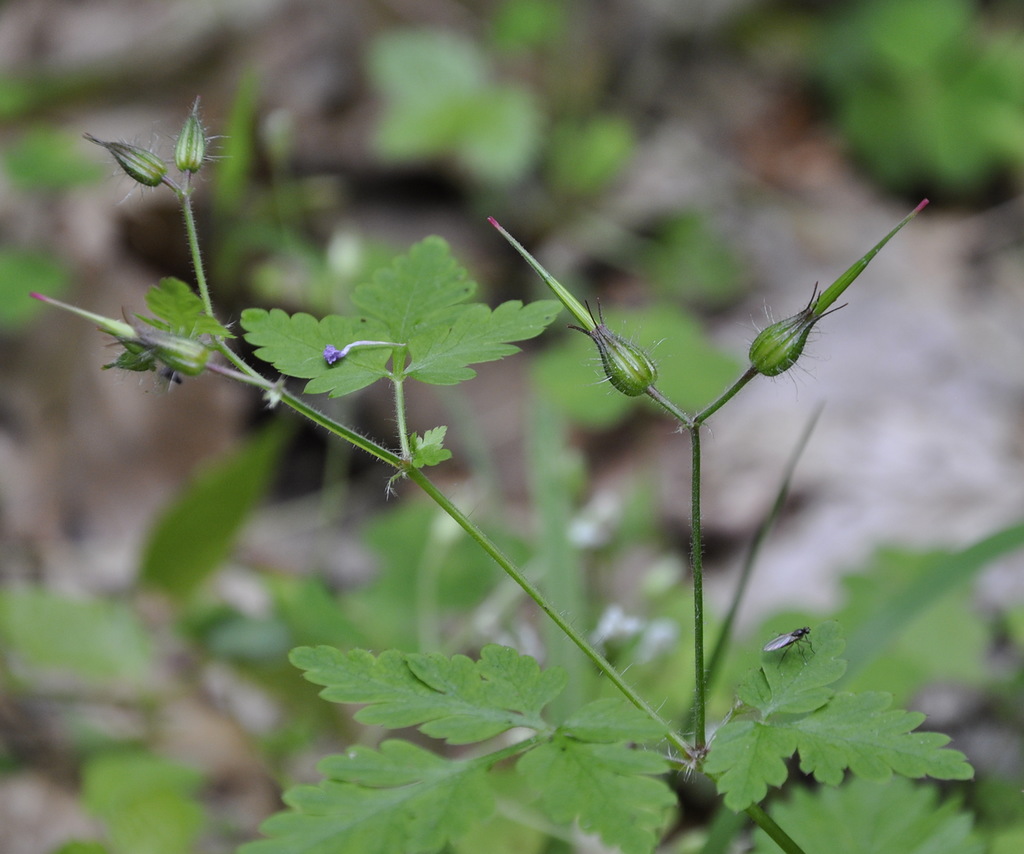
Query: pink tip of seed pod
point(923, 204)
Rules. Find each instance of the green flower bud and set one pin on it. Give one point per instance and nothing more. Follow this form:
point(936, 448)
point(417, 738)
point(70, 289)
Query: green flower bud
point(179, 355)
point(628, 367)
point(190, 149)
point(141, 165)
point(777, 347)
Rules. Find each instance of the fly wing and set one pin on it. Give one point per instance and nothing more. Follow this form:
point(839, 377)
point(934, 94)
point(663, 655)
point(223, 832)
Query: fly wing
point(780, 642)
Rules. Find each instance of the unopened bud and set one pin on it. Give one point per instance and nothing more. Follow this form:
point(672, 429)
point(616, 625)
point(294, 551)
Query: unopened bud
point(190, 149)
point(139, 163)
point(181, 355)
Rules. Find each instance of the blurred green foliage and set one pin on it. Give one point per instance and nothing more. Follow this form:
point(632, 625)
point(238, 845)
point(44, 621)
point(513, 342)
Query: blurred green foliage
point(147, 804)
point(46, 159)
point(194, 535)
point(441, 97)
point(93, 641)
point(689, 259)
point(925, 92)
point(24, 270)
point(520, 25)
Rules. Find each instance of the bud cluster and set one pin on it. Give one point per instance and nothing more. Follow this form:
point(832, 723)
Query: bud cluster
point(145, 349)
point(150, 169)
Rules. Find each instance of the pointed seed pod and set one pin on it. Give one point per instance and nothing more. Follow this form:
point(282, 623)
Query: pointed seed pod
point(777, 347)
point(190, 148)
point(140, 164)
point(628, 367)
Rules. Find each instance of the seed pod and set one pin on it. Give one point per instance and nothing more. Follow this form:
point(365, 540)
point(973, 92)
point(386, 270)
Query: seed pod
point(190, 148)
point(628, 367)
point(140, 164)
point(181, 355)
point(777, 347)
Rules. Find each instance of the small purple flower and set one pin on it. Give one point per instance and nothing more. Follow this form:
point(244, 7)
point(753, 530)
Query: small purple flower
point(332, 354)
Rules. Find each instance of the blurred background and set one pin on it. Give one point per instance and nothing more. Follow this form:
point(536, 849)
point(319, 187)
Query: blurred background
point(696, 166)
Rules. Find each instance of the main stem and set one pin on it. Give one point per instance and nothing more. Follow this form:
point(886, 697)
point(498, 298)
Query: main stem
point(570, 631)
point(696, 563)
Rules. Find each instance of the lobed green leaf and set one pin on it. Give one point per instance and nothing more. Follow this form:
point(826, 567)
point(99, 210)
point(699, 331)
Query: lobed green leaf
point(401, 798)
point(294, 344)
point(795, 680)
point(429, 449)
point(832, 732)
point(414, 303)
point(860, 732)
point(455, 698)
point(605, 787)
point(894, 818)
point(440, 354)
point(746, 758)
point(418, 291)
point(177, 309)
point(610, 720)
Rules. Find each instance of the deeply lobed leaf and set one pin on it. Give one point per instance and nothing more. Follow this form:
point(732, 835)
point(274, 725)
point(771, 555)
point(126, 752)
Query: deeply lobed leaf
point(832, 732)
point(440, 354)
point(456, 699)
point(605, 787)
point(860, 732)
point(399, 799)
point(894, 818)
point(294, 344)
point(177, 309)
point(403, 798)
point(417, 304)
point(418, 291)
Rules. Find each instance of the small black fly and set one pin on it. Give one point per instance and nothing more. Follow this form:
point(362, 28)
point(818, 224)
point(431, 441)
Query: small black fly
point(787, 640)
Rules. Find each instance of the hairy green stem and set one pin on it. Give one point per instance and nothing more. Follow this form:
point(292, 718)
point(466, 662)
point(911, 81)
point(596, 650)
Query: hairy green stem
point(403, 431)
point(669, 407)
point(729, 394)
point(185, 197)
point(697, 565)
point(527, 586)
point(247, 375)
point(478, 536)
